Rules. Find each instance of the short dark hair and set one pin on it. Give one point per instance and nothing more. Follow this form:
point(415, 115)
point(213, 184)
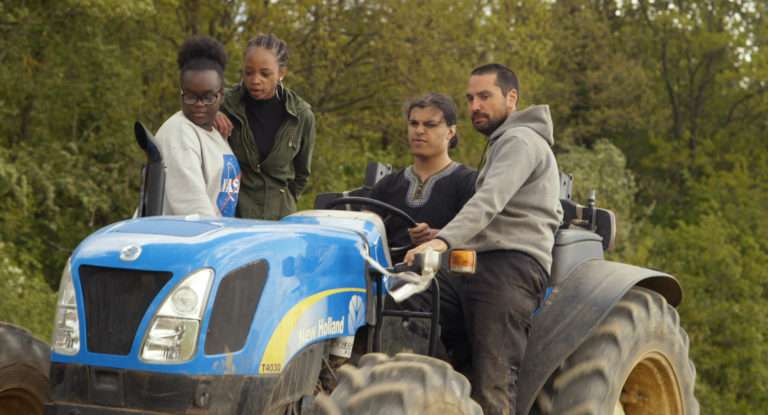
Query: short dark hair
point(443, 103)
point(272, 43)
point(506, 79)
point(199, 53)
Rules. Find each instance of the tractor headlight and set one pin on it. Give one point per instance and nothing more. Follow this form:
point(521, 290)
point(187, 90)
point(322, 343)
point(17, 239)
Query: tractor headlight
point(172, 336)
point(184, 300)
point(66, 328)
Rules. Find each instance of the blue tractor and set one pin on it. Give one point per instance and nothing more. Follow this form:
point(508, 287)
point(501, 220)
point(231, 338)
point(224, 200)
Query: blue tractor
point(166, 315)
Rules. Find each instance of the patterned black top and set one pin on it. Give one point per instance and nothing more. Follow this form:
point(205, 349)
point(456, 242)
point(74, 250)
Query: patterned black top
point(435, 201)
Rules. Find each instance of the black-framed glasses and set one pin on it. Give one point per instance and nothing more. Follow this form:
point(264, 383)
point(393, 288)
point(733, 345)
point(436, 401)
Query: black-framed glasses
point(191, 99)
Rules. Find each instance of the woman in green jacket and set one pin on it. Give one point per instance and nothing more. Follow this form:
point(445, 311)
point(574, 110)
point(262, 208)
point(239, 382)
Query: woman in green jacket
point(273, 132)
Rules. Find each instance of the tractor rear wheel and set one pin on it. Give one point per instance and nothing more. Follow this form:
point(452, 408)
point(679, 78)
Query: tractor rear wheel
point(24, 363)
point(634, 363)
point(407, 384)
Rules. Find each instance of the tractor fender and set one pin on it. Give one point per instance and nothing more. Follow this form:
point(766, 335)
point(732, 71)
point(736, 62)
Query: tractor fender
point(573, 309)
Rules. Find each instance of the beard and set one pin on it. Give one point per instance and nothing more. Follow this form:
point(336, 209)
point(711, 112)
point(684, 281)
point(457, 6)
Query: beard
point(490, 126)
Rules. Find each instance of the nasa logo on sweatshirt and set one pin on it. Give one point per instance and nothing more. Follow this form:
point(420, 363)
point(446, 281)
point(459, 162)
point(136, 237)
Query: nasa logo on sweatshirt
point(230, 186)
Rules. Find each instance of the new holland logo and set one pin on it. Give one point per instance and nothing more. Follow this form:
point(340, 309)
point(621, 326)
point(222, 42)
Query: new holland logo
point(356, 314)
point(130, 253)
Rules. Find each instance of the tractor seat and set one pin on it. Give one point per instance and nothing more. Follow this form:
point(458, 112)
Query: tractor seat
point(591, 218)
point(598, 220)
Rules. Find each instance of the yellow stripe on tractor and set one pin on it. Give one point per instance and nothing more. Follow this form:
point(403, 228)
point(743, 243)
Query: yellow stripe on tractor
point(275, 354)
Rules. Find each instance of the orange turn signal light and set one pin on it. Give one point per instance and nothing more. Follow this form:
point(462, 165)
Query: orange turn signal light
point(462, 261)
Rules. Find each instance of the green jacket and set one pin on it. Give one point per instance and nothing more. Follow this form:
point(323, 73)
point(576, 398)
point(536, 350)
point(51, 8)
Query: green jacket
point(269, 188)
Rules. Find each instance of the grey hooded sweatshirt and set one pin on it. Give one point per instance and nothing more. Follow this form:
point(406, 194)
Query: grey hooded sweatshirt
point(516, 205)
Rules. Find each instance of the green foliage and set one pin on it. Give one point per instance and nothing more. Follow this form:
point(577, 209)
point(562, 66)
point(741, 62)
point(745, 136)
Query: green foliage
point(658, 105)
point(25, 298)
point(596, 89)
point(723, 272)
point(604, 170)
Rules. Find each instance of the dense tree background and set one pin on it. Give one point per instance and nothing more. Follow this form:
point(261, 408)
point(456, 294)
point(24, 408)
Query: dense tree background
point(661, 106)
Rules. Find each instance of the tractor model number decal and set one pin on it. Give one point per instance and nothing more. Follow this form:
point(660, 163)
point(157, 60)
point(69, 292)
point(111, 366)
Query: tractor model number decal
point(271, 367)
point(319, 316)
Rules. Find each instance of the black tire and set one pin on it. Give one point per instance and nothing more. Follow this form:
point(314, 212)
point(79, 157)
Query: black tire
point(407, 384)
point(635, 361)
point(24, 364)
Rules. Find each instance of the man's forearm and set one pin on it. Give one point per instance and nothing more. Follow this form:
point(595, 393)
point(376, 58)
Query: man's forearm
point(509, 167)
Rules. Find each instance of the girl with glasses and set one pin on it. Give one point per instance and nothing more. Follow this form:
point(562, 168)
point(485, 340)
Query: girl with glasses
point(202, 173)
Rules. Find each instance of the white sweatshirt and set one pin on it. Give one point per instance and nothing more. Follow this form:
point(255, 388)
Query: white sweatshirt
point(202, 174)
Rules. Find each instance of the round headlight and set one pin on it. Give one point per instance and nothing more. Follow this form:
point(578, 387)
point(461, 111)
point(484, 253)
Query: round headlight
point(184, 300)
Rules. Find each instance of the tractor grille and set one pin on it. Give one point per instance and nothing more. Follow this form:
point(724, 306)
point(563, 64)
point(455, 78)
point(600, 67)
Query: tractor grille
point(235, 305)
point(115, 302)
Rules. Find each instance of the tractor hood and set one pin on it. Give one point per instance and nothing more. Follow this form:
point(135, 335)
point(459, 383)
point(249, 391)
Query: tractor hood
point(188, 243)
point(276, 287)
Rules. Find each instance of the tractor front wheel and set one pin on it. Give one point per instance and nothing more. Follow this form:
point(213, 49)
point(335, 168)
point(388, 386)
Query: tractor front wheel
point(407, 384)
point(24, 363)
point(634, 363)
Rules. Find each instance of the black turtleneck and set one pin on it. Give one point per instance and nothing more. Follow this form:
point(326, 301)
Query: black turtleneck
point(264, 118)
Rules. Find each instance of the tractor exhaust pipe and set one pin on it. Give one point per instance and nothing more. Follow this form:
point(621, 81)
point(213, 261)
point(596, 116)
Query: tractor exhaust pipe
point(152, 191)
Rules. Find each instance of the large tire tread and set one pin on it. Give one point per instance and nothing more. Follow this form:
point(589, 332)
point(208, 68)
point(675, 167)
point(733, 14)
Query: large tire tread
point(406, 384)
point(24, 363)
point(590, 380)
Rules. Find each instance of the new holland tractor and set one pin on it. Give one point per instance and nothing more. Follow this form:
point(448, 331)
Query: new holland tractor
point(167, 315)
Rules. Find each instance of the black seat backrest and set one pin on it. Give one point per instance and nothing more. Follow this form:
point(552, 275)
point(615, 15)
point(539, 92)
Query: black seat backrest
point(374, 172)
point(152, 174)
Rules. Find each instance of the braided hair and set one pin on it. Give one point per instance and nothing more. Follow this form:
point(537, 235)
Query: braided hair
point(271, 43)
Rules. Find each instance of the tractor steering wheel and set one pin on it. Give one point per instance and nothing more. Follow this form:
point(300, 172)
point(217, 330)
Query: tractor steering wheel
point(391, 212)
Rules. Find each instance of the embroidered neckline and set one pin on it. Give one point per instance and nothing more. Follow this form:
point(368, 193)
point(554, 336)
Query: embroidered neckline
point(418, 191)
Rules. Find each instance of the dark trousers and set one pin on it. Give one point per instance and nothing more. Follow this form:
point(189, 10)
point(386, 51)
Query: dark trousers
point(485, 320)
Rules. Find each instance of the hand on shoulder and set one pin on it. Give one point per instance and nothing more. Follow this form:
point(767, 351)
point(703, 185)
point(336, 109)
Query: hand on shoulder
point(222, 123)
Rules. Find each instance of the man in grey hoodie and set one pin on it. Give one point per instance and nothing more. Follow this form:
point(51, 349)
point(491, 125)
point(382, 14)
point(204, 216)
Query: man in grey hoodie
point(511, 222)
